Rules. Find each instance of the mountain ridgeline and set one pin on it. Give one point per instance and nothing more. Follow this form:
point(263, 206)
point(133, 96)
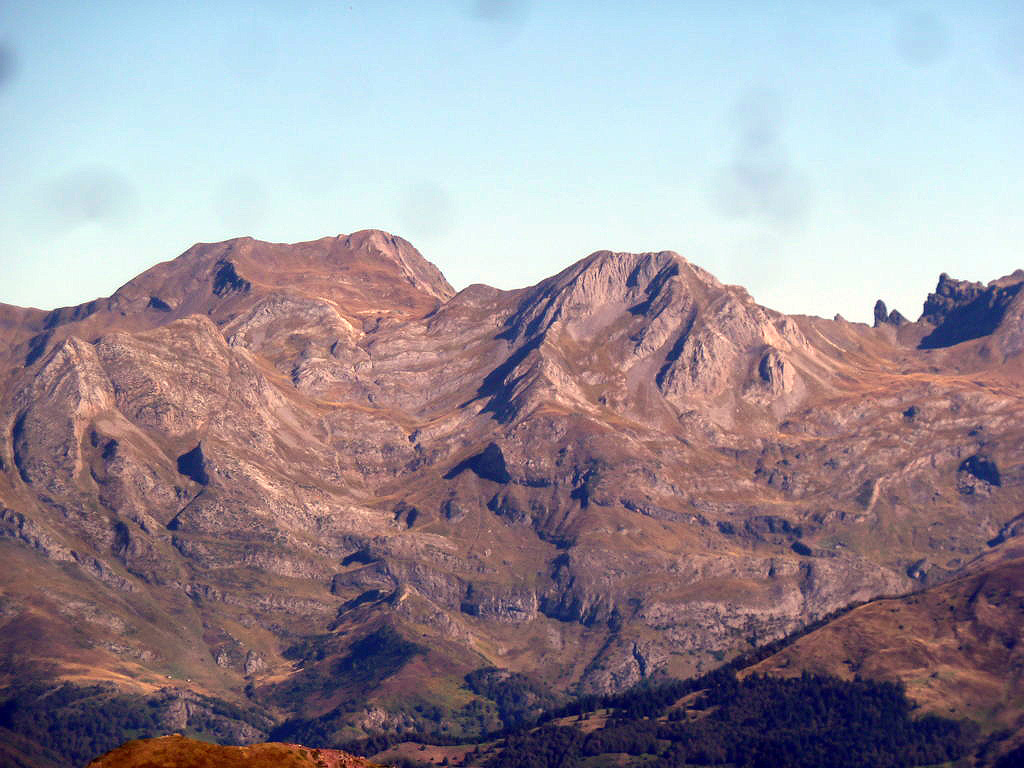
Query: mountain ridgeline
point(311, 492)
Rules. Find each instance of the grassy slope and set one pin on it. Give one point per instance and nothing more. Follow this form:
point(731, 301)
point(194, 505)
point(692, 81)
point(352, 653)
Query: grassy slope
point(955, 647)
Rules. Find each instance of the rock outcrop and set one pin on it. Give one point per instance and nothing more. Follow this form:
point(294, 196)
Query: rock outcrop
point(884, 317)
point(961, 310)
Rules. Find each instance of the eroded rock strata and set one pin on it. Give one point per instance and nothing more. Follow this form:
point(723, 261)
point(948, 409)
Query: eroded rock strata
point(252, 458)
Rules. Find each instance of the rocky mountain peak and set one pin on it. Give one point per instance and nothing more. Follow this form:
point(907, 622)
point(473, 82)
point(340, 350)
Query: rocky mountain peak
point(949, 295)
point(350, 278)
point(413, 267)
point(616, 330)
point(368, 270)
point(594, 289)
point(962, 310)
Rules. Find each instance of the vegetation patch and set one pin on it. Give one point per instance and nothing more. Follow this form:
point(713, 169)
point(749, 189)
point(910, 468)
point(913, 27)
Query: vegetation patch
point(520, 701)
point(350, 674)
point(761, 722)
point(77, 723)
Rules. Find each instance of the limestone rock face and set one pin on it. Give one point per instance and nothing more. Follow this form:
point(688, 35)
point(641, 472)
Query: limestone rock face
point(70, 389)
point(256, 456)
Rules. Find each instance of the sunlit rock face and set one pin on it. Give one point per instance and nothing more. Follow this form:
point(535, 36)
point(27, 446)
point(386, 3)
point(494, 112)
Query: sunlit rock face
point(625, 470)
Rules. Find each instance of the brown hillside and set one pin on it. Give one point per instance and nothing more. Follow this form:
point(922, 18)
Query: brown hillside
point(958, 648)
point(180, 752)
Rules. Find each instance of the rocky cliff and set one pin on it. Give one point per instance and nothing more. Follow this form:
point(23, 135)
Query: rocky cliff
point(285, 475)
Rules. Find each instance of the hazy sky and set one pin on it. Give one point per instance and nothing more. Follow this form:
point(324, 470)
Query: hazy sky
point(823, 154)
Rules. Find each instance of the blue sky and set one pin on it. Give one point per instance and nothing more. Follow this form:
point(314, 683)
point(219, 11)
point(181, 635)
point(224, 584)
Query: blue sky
point(821, 154)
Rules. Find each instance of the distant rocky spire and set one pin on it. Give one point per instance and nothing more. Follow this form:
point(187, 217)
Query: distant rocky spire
point(884, 316)
point(881, 313)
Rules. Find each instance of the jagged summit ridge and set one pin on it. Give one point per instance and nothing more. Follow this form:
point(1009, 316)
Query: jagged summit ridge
point(961, 310)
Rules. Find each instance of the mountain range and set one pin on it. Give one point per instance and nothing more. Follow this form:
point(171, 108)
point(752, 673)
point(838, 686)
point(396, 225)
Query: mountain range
point(309, 492)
